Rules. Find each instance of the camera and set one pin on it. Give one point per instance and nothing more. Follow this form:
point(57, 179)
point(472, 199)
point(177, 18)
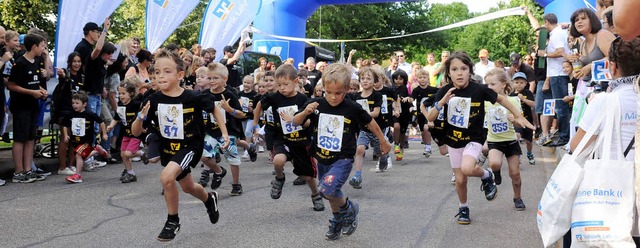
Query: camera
point(599, 86)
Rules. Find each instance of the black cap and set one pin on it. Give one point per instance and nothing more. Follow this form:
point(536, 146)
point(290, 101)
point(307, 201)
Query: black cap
point(228, 49)
point(514, 58)
point(90, 26)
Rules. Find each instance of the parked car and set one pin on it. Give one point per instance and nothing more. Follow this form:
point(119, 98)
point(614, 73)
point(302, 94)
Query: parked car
point(248, 63)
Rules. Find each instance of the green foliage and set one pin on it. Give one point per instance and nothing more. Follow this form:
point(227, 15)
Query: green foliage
point(128, 21)
point(21, 15)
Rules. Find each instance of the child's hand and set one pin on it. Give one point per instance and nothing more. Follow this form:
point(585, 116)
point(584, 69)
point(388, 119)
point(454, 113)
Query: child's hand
point(449, 95)
point(60, 72)
point(521, 96)
point(285, 116)
point(44, 93)
point(385, 147)
point(65, 138)
point(523, 122)
point(226, 142)
point(225, 104)
point(430, 124)
point(145, 110)
point(511, 118)
point(311, 108)
point(109, 128)
point(567, 99)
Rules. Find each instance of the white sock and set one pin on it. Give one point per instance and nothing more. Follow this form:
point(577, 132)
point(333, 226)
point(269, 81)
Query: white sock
point(486, 174)
point(464, 205)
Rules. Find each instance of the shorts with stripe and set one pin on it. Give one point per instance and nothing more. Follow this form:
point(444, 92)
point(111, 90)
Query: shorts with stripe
point(186, 158)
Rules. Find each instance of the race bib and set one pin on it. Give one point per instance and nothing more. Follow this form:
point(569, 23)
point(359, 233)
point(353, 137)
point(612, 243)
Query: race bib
point(364, 103)
point(330, 128)
point(384, 108)
point(287, 127)
point(7, 69)
point(244, 102)
point(221, 110)
point(122, 113)
point(498, 119)
point(78, 127)
point(269, 115)
point(458, 111)
point(171, 121)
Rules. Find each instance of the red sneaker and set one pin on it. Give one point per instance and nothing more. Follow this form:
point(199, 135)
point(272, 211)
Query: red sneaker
point(75, 178)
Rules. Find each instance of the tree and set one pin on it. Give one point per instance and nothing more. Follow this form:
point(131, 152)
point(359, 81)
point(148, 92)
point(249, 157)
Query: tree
point(21, 15)
point(128, 21)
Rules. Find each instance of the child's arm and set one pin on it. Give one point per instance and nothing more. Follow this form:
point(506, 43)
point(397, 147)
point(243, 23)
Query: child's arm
point(526, 101)
point(435, 111)
point(375, 113)
point(375, 129)
point(136, 127)
point(396, 107)
point(12, 86)
point(238, 114)
point(568, 98)
point(103, 131)
point(257, 112)
point(520, 120)
point(111, 125)
point(223, 128)
point(310, 109)
point(65, 134)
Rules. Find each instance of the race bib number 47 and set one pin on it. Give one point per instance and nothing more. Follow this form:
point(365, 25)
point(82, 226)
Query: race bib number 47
point(171, 121)
point(330, 128)
point(458, 111)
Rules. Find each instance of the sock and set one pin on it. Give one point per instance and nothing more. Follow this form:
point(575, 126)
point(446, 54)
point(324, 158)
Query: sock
point(529, 153)
point(486, 174)
point(427, 147)
point(464, 205)
point(173, 218)
point(131, 172)
point(358, 174)
point(280, 179)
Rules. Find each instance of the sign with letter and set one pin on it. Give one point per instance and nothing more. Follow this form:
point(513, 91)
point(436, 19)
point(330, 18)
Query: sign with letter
point(600, 70)
point(549, 107)
point(275, 47)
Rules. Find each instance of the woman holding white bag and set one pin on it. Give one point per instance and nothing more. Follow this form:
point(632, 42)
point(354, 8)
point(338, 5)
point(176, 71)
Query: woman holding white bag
point(623, 56)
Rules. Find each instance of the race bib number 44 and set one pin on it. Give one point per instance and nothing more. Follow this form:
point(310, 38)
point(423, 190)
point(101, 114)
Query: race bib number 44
point(171, 121)
point(458, 111)
point(330, 128)
point(287, 127)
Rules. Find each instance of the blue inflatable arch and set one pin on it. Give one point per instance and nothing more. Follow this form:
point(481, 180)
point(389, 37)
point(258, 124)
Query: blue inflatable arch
point(289, 18)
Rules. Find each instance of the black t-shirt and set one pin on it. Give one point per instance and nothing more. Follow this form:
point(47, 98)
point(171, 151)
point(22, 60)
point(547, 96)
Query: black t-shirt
point(540, 68)
point(464, 130)
point(177, 120)
point(143, 97)
point(246, 100)
point(389, 95)
point(374, 100)
point(314, 77)
point(211, 123)
point(438, 123)
point(255, 102)
point(526, 110)
point(26, 75)
point(280, 103)
point(421, 95)
point(95, 73)
point(233, 79)
point(334, 130)
point(308, 90)
point(188, 81)
point(527, 70)
point(81, 126)
point(128, 113)
point(62, 95)
point(403, 92)
point(84, 48)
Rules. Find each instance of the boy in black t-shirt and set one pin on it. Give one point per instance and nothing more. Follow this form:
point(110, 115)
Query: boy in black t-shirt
point(175, 115)
point(370, 102)
point(291, 142)
point(25, 90)
point(269, 82)
point(79, 133)
point(335, 124)
point(229, 110)
point(528, 101)
point(421, 94)
point(246, 101)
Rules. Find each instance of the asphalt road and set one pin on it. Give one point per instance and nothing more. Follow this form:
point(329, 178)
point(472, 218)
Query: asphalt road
point(411, 205)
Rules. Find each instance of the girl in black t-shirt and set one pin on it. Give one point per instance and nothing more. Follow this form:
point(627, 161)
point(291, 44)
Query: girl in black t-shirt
point(401, 123)
point(70, 80)
point(463, 104)
point(125, 114)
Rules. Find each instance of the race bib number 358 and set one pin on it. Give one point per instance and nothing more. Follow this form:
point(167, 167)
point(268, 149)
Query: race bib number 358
point(330, 128)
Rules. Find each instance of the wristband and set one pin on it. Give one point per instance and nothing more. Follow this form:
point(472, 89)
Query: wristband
point(234, 112)
point(436, 106)
point(256, 127)
point(140, 118)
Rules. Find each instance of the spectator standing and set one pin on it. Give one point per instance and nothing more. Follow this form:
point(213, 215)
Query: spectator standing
point(402, 63)
point(229, 60)
point(484, 65)
point(314, 75)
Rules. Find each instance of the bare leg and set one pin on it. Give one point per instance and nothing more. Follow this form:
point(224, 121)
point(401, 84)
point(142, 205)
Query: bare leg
point(514, 173)
point(313, 184)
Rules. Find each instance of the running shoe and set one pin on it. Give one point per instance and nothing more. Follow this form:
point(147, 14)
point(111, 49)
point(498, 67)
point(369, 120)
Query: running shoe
point(67, 172)
point(124, 172)
point(212, 207)
point(236, 189)
point(299, 181)
point(129, 178)
point(356, 182)
point(75, 178)
point(204, 177)
point(253, 155)
point(245, 156)
point(318, 203)
point(35, 176)
point(276, 188)
point(335, 228)
point(519, 204)
point(350, 218)
point(144, 158)
point(21, 178)
point(42, 172)
point(399, 156)
point(463, 216)
point(216, 179)
point(396, 149)
point(489, 187)
point(89, 167)
point(532, 160)
point(2, 182)
point(169, 231)
point(497, 177)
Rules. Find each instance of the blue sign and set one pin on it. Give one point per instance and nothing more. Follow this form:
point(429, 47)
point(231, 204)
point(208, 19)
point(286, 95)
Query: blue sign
point(276, 47)
point(549, 107)
point(600, 71)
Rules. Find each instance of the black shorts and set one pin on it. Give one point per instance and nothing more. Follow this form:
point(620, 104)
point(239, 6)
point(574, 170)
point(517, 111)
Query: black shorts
point(421, 122)
point(509, 148)
point(438, 136)
point(25, 125)
point(241, 135)
point(303, 165)
point(153, 145)
point(526, 133)
point(186, 158)
point(404, 120)
point(269, 137)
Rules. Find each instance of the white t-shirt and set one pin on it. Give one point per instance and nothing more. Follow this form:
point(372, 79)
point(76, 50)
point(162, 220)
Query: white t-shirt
point(406, 67)
point(557, 39)
point(628, 115)
point(482, 69)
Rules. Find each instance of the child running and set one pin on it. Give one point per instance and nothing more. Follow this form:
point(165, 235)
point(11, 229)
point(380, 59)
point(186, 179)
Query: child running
point(501, 138)
point(178, 116)
point(527, 101)
point(421, 94)
point(335, 124)
point(370, 102)
point(463, 103)
point(126, 114)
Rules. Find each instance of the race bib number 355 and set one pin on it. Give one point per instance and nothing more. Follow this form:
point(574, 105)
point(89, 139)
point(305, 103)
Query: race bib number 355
point(330, 128)
point(171, 121)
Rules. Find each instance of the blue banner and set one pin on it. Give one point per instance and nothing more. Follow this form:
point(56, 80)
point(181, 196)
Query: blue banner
point(163, 17)
point(72, 16)
point(224, 21)
point(600, 70)
point(276, 47)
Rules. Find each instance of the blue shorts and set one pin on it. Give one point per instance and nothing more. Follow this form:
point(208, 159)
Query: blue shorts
point(212, 147)
point(336, 176)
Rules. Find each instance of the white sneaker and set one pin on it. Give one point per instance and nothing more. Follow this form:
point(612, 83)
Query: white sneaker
point(136, 159)
point(260, 149)
point(390, 164)
point(99, 164)
point(2, 182)
point(90, 167)
point(67, 171)
point(73, 168)
point(245, 155)
point(453, 178)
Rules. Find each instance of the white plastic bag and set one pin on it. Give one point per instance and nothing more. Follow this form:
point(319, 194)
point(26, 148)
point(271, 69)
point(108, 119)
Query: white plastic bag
point(603, 210)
